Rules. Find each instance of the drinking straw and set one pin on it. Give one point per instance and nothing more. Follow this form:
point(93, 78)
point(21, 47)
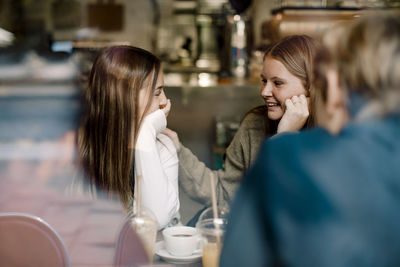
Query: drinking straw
point(213, 196)
point(214, 207)
point(138, 199)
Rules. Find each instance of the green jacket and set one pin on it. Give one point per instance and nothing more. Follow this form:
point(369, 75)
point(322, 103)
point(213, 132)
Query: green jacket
point(194, 175)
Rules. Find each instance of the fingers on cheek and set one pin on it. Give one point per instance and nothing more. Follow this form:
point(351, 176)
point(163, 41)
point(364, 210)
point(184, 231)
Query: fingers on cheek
point(284, 105)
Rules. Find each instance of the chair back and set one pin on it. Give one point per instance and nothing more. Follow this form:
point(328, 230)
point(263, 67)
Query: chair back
point(129, 250)
point(27, 240)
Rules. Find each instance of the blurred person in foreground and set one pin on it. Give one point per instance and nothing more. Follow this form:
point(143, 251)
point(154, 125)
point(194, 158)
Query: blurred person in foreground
point(330, 197)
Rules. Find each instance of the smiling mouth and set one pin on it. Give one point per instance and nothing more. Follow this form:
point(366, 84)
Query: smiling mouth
point(273, 104)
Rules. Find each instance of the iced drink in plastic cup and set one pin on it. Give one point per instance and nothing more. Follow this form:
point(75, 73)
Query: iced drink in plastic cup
point(146, 229)
point(211, 253)
point(212, 231)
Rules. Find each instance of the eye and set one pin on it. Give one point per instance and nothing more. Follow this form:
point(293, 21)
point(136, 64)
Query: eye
point(278, 83)
point(263, 80)
point(157, 92)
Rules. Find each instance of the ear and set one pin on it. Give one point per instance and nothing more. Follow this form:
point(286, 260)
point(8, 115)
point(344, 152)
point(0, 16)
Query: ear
point(335, 102)
point(334, 96)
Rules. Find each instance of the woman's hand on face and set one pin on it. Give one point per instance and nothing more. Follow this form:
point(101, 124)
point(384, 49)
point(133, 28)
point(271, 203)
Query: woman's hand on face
point(296, 114)
point(173, 136)
point(167, 108)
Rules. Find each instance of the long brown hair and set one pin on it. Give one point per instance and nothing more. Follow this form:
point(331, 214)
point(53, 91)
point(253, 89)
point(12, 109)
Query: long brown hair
point(296, 53)
point(110, 122)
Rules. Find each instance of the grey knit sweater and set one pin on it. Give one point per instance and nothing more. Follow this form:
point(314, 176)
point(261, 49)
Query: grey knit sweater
point(194, 175)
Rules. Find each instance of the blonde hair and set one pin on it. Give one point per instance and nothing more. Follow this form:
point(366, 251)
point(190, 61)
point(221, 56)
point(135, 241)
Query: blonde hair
point(296, 53)
point(366, 55)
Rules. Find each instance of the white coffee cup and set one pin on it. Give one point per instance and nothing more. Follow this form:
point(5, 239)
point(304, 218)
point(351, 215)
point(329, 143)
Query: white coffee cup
point(182, 240)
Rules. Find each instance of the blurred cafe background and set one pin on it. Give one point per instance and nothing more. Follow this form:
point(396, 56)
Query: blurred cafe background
point(211, 51)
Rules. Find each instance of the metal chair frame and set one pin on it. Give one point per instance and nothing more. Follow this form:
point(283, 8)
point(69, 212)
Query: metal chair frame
point(27, 240)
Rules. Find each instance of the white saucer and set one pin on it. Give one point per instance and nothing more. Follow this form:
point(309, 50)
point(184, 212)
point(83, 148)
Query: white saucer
point(164, 254)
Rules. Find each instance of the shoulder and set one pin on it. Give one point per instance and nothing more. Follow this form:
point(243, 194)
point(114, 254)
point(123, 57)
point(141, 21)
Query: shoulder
point(303, 140)
point(316, 149)
point(254, 119)
point(293, 151)
point(251, 132)
point(285, 166)
point(294, 172)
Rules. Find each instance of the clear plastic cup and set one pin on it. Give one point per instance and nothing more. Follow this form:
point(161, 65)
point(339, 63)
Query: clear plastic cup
point(212, 231)
point(222, 212)
point(146, 228)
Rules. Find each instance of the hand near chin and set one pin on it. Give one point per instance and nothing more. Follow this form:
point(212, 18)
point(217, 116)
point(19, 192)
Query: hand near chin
point(173, 136)
point(296, 114)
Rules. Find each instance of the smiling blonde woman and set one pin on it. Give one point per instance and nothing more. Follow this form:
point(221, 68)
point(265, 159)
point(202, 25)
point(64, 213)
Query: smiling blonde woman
point(285, 87)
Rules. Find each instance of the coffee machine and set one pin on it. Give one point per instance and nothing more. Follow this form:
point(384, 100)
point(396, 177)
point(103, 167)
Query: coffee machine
point(224, 37)
point(210, 23)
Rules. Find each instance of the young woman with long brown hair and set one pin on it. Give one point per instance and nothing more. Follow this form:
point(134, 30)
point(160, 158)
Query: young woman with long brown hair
point(120, 136)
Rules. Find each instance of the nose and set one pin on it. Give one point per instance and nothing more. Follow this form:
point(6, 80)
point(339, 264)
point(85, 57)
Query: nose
point(163, 99)
point(266, 90)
